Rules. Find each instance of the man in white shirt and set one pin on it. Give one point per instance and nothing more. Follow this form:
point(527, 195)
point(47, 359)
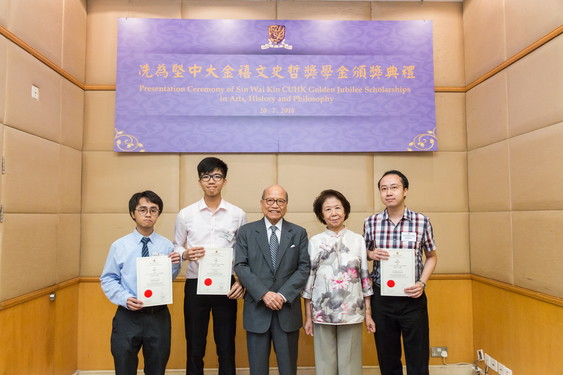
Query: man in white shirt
point(211, 222)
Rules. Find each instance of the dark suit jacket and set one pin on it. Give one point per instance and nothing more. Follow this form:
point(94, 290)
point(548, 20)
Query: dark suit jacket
point(253, 266)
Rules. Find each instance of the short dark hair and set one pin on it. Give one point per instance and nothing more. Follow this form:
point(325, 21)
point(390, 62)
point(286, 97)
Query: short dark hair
point(149, 195)
point(403, 178)
point(208, 165)
point(323, 196)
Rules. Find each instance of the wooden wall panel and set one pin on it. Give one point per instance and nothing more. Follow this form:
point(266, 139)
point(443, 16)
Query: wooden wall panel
point(95, 313)
point(73, 333)
point(66, 331)
point(39, 336)
point(450, 311)
point(26, 334)
point(450, 325)
point(512, 325)
point(522, 333)
point(94, 328)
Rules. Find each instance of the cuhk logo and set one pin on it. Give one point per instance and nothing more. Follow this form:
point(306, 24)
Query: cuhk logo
point(276, 38)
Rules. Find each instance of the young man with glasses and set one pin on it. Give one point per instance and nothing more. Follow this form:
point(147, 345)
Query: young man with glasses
point(211, 222)
point(134, 325)
point(272, 262)
point(396, 316)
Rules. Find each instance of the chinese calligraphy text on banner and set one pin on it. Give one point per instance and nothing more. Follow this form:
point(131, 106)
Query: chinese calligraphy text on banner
point(274, 86)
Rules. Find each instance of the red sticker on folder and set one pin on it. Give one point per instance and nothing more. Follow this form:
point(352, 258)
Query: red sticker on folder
point(208, 282)
point(148, 293)
point(390, 283)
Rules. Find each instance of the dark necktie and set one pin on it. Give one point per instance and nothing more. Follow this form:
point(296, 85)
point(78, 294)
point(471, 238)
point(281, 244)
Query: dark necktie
point(274, 244)
point(145, 240)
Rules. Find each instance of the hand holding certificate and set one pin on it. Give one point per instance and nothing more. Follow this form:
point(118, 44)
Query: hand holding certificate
point(397, 272)
point(215, 269)
point(154, 280)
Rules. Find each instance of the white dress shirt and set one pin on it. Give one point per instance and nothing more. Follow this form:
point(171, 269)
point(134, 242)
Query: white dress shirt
point(278, 235)
point(197, 225)
point(269, 227)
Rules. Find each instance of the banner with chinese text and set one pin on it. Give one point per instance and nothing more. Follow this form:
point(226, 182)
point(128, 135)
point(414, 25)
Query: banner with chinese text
point(274, 86)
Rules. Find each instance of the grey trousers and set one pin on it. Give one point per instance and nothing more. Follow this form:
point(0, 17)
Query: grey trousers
point(285, 346)
point(338, 349)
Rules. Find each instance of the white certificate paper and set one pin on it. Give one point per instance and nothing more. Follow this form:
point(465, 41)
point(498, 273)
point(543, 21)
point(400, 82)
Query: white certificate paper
point(154, 280)
point(215, 269)
point(397, 272)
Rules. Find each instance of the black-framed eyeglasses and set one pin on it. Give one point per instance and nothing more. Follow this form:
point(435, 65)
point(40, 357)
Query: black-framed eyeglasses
point(270, 201)
point(207, 177)
point(144, 210)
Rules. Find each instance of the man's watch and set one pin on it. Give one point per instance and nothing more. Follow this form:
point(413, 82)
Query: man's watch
point(423, 283)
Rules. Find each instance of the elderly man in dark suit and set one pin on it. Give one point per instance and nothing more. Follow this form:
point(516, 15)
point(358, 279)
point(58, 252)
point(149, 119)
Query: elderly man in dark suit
point(272, 263)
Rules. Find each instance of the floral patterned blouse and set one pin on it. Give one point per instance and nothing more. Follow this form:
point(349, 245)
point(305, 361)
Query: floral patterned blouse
point(339, 278)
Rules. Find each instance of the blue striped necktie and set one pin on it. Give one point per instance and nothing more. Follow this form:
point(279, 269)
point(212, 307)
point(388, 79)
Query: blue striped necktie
point(145, 240)
point(274, 244)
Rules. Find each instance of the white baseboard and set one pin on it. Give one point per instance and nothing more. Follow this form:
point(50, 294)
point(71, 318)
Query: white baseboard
point(367, 370)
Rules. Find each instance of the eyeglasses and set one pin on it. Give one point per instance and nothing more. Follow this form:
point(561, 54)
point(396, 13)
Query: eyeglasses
point(270, 201)
point(144, 210)
point(216, 177)
point(392, 188)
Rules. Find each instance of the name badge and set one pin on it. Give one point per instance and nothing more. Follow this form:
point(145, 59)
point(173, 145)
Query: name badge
point(408, 236)
point(228, 235)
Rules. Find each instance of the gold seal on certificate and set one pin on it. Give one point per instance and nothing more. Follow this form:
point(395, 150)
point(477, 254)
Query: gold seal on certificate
point(397, 272)
point(215, 269)
point(154, 280)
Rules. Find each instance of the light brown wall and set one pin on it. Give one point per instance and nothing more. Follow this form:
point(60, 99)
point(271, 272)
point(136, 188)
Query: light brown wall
point(109, 178)
point(41, 143)
point(514, 129)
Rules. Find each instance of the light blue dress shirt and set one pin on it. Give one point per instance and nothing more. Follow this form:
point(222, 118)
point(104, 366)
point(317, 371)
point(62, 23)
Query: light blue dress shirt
point(119, 277)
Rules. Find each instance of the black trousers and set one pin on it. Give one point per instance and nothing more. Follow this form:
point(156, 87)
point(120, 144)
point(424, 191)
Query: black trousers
point(197, 309)
point(149, 328)
point(401, 316)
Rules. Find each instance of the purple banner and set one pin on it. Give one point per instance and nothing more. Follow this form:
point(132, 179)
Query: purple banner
point(274, 86)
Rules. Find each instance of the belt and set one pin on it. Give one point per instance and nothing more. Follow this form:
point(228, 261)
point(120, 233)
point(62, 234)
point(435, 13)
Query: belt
point(147, 310)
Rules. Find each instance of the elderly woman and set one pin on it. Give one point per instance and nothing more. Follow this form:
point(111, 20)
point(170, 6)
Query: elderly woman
point(337, 294)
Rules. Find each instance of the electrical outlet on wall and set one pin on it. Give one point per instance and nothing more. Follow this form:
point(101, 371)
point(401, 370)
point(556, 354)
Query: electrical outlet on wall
point(480, 355)
point(487, 360)
point(437, 351)
point(503, 370)
point(494, 364)
point(35, 92)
